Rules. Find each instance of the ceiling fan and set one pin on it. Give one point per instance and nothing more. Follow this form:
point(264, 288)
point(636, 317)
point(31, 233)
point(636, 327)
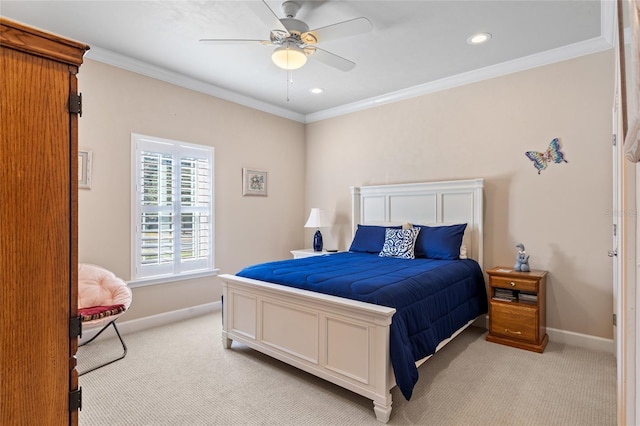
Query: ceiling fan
point(295, 42)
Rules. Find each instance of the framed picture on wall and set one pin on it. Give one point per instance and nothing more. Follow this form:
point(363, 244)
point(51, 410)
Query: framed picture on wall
point(84, 169)
point(254, 182)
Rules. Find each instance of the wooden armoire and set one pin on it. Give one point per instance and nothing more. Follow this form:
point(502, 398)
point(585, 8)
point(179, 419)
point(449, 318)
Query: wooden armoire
point(39, 109)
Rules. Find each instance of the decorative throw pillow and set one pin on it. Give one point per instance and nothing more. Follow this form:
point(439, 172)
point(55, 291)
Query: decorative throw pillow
point(399, 243)
point(440, 242)
point(369, 239)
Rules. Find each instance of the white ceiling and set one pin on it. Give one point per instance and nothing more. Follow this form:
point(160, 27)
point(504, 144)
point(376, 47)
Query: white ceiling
point(415, 47)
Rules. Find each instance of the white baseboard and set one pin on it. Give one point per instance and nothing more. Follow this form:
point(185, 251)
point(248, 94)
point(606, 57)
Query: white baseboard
point(127, 327)
point(138, 324)
point(585, 341)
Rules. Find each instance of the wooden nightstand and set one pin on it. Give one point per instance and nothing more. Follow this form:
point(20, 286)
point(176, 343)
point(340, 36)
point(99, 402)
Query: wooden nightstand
point(517, 308)
point(299, 254)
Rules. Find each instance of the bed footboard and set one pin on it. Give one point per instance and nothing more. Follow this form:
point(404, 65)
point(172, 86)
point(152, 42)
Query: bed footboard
point(342, 341)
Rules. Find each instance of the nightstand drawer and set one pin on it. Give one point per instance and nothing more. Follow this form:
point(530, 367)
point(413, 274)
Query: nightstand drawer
point(515, 284)
point(514, 321)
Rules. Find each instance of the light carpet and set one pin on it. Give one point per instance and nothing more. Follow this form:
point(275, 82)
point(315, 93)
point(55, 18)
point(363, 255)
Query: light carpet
point(180, 374)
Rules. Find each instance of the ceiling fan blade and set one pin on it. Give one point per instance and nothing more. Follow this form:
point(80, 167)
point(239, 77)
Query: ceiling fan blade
point(234, 40)
point(330, 59)
point(266, 15)
point(341, 29)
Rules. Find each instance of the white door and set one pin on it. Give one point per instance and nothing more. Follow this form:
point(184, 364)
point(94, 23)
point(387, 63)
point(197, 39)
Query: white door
point(616, 229)
point(616, 254)
point(623, 253)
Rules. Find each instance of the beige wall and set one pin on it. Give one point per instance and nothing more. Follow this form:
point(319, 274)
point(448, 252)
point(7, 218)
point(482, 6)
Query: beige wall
point(479, 130)
point(249, 230)
point(483, 130)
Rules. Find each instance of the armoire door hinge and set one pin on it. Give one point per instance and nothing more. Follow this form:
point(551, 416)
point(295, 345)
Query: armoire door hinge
point(75, 400)
point(75, 327)
point(75, 103)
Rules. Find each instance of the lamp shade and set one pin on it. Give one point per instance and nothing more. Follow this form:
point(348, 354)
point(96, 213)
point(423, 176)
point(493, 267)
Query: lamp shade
point(317, 219)
point(289, 57)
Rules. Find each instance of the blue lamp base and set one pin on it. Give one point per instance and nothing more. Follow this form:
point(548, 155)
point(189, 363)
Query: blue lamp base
point(317, 241)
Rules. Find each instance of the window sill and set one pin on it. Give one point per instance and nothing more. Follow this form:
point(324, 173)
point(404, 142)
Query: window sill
point(143, 282)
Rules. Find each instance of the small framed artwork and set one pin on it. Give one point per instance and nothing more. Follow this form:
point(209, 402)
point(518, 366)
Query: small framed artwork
point(254, 182)
point(84, 169)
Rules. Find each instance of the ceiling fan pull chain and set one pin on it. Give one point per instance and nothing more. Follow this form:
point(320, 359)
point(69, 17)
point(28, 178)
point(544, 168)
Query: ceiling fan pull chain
point(289, 81)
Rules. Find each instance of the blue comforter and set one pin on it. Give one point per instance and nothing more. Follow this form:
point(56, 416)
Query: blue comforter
point(432, 298)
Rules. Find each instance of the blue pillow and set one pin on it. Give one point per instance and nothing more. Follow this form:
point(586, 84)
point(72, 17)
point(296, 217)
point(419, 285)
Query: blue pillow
point(440, 242)
point(369, 238)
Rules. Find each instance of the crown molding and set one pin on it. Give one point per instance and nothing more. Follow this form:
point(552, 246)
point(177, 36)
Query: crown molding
point(121, 61)
point(608, 19)
point(605, 41)
point(521, 64)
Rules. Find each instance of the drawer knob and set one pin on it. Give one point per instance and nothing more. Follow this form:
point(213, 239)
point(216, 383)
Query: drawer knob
point(506, 330)
point(512, 284)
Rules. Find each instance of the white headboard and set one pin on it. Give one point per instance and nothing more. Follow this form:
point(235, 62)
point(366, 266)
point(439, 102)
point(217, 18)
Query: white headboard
point(425, 203)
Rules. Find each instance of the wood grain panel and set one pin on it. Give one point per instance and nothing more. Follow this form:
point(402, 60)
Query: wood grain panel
point(16, 36)
point(38, 225)
point(34, 236)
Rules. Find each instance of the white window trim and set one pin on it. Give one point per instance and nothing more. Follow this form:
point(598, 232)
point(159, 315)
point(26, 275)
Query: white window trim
point(143, 282)
point(138, 139)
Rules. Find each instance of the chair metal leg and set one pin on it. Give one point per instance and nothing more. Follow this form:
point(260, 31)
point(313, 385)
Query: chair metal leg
point(124, 347)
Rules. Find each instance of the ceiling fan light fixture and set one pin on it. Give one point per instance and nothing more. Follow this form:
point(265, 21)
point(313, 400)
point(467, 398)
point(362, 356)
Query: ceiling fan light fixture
point(289, 57)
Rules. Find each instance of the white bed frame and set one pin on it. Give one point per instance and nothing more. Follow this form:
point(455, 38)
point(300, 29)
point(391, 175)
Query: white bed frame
point(344, 341)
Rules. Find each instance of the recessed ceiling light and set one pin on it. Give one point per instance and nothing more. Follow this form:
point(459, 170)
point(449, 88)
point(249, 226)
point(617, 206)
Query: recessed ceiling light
point(479, 38)
point(317, 90)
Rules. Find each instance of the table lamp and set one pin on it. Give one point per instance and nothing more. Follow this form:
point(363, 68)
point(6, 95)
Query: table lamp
point(317, 219)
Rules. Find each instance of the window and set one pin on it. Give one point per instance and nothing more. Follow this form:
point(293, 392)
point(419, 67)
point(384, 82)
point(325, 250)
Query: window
point(172, 213)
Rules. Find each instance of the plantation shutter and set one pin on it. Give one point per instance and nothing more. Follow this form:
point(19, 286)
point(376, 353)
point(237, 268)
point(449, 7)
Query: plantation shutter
point(174, 207)
point(195, 218)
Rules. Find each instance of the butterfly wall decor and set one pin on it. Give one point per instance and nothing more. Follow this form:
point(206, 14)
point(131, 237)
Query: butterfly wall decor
point(553, 153)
